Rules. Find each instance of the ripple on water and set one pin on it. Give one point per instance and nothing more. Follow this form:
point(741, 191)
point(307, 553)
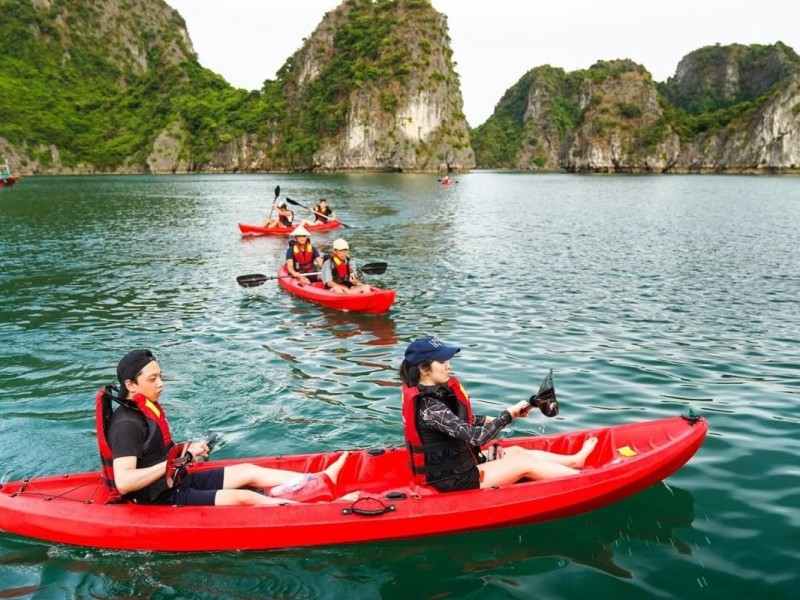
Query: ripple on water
point(647, 296)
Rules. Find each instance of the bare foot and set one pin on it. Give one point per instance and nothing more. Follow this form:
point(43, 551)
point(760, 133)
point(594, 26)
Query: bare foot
point(351, 497)
point(587, 448)
point(336, 466)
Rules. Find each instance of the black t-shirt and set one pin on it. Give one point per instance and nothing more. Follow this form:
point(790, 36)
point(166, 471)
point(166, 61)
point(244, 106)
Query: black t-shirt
point(131, 434)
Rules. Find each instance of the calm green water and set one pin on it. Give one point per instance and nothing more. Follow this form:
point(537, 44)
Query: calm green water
point(646, 295)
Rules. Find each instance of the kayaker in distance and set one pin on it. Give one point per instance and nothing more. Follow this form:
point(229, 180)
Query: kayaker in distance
point(339, 271)
point(302, 257)
point(284, 219)
point(139, 442)
point(322, 213)
point(444, 437)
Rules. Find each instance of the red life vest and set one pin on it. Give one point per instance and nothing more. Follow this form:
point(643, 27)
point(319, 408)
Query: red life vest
point(104, 409)
point(419, 443)
point(303, 257)
point(341, 270)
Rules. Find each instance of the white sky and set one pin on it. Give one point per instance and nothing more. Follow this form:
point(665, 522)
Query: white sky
point(495, 42)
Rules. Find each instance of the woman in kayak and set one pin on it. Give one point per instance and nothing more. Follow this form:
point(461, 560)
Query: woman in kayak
point(444, 437)
point(139, 441)
point(322, 213)
point(284, 219)
point(339, 272)
point(302, 258)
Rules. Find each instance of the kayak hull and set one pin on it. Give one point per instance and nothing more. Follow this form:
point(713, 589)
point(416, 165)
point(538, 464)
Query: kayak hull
point(9, 181)
point(377, 302)
point(249, 230)
point(628, 458)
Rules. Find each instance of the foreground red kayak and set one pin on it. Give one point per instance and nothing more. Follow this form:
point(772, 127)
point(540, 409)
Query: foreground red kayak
point(70, 509)
point(258, 230)
point(376, 302)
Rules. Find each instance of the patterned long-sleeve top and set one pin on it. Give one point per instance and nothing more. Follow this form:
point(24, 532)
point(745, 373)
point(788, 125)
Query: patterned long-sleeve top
point(438, 416)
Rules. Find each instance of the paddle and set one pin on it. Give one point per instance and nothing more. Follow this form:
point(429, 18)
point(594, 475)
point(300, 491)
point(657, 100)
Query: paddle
point(296, 203)
point(277, 193)
point(211, 441)
point(545, 398)
point(255, 279)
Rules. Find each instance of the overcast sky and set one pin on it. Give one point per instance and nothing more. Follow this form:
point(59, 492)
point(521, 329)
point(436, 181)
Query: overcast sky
point(495, 42)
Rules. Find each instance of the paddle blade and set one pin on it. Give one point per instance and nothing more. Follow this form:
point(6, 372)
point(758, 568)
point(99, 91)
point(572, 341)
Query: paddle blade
point(545, 398)
point(277, 191)
point(252, 280)
point(295, 202)
point(374, 268)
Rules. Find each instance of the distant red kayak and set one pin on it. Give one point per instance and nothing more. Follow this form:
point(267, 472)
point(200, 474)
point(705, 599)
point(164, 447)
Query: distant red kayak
point(71, 509)
point(258, 230)
point(9, 181)
point(376, 302)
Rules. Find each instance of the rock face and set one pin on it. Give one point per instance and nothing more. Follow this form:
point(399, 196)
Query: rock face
point(384, 73)
point(373, 88)
point(728, 109)
point(622, 128)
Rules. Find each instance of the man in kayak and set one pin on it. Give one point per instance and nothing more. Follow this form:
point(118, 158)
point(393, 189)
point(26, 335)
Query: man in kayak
point(339, 271)
point(302, 258)
point(140, 444)
point(284, 219)
point(444, 437)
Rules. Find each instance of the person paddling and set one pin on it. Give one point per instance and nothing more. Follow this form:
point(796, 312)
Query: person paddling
point(136, 444)
point(285, 217)
point(322, 214)
point(302, 258)
point(444, 437)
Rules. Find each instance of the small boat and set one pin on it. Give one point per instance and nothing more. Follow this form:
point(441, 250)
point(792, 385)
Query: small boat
point(6, 178)
point(71, 509)
point(375, 302)
point(258, 230)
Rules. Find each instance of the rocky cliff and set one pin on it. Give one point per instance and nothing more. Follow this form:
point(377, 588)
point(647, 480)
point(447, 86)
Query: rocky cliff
point(115, 86)
point(373, 88)
point(728, 109)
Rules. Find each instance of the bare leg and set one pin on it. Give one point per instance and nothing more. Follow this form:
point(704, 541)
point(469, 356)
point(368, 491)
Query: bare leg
point(511, 469)
point(336, 466)
point(250, 475)
point(576, 460)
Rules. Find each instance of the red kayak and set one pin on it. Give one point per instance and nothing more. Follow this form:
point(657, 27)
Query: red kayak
point(71, 509)
point(9, 181)
point(376, 302)
point(258, 230)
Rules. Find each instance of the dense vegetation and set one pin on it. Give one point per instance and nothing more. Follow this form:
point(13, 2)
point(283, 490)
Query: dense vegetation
point(708, 102)
point(370, 51)
point(71, 81)
point(63, 90)
point(705, 100)
point(98, 82)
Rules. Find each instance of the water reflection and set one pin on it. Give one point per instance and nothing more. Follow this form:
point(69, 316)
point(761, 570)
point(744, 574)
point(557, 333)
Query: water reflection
point(346, 325)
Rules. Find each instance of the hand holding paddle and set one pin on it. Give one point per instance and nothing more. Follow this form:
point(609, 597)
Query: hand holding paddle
point(256, 279)
point(311, 210)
